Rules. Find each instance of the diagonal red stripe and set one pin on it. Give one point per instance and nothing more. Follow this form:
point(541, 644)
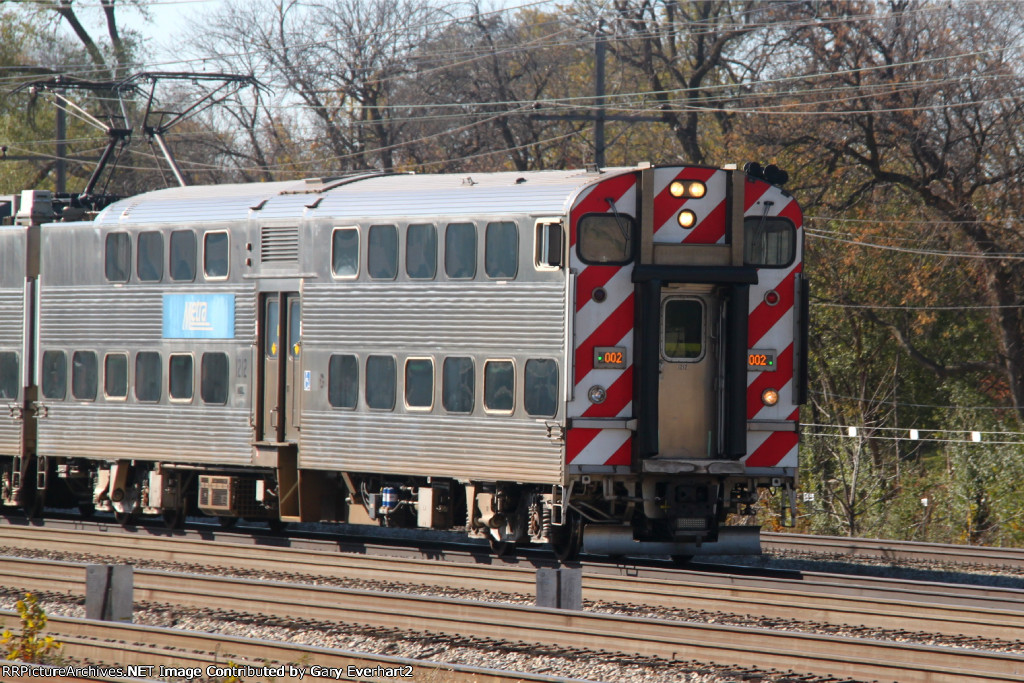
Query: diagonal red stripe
point(608, 333)
point(590, 278)
point(764, 317)
point(773, 450)
point(709, 230)
point(623, 456)
point(618, 396)
point(665, 205)
point(576, 440)
point(752, 192)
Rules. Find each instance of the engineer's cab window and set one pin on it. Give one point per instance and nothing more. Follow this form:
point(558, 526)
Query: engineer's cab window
point(9, 377)
point(421, 251)
point(605, 238)
point(183, 256)
point(345, 252)
point(118, 262)
point(768, 242)
point(683, 330)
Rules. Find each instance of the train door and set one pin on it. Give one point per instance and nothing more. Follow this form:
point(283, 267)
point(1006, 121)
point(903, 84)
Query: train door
point(281, 348)
point(689, 372)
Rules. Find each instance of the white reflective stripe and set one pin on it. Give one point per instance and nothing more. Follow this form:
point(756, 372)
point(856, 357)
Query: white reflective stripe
point(593, 314)
point(602, 377)
point(602, 447)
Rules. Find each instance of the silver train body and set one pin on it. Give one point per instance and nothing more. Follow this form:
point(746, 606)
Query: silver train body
point(533, 357)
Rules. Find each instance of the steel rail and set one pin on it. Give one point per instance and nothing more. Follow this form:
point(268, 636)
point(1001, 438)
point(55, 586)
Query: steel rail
point(894, 551)
point(574, 631)
point(883, 604)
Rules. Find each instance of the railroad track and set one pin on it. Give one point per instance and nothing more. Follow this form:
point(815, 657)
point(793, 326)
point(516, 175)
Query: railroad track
point(577, 632)
point(894, 551)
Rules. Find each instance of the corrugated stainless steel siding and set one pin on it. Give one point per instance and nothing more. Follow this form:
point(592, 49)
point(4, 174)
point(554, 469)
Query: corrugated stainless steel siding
point(480, 448)
point(166, 433)
point(444, 315)
point(108, 315)
point(11, 330)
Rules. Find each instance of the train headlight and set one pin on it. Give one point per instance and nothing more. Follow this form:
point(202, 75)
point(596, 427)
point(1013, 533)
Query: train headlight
point(769, 397)
point(597, 394)
point(687, 188)
point(687, 218)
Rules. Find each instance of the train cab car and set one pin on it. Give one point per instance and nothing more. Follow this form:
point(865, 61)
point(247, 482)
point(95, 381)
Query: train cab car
point(610, 360)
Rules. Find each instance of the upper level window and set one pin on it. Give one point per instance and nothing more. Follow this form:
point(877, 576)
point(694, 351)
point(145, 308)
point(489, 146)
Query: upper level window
point(460, 251)
point(84, 375)
point(501, 250)
point(382, 252)
point(183, 256)
point(118, 261)
point(216, 255)
point(149, 264)
point(345, 252)
point(605, 238)
point(9, 378)
point(421, 251)
point(768, 242)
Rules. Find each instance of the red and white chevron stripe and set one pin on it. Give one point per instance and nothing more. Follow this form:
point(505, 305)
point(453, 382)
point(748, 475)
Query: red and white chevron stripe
point(710, 209)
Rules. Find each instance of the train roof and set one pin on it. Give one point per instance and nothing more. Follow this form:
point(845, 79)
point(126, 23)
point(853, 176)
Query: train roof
point(361, 196)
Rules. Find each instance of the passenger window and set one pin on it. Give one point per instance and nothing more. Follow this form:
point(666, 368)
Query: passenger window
point(540, 382)
point(183, 256)
point(458, 385)
point(501, 250)
point(605, 238)
point(499, 385)
point(421, 251)
point(84, 375)
point(345, 252)
point(148, 376)
point(380, 382)
point(683, 329)
point(419, 383)
point(179, 379)
point(117, 264)
point(115, 375)
point(213, 378)
point(382, 252)
point(10, 382)
point(768, 242)
point(548, 245)
point(149, 265)
point(460, 251)
point(216, 255)
point(54, 375)
point(343, 381)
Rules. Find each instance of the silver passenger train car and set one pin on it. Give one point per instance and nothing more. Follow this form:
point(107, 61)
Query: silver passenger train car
point(608, 359)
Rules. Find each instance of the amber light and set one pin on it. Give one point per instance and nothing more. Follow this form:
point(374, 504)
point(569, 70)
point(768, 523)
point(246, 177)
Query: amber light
point(687, 188)
point(769, 397)
point(687, 218)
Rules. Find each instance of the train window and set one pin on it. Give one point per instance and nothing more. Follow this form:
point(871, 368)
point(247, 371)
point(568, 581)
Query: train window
point(54, 375)
point(501, 250)
point(84, 375)
point(768, 242)
point(273, 331)
point(183, 256)
point(216, 255)
point(460, 251)
point(548, 245)
point(457, 385)
point(345, 252)
point(499, 385)
point(683, 329)
point(605, 238)
point(179, 377)
point(540, 387)
point(294, 328)
point(380, 382)
point(343, 381)
point(9, 378)
point(149, 263)
point(421, 251)
point(117, 264)
point(419, 383)
point(148, 376)
point(213, 378)
point(382, 252)
point(115, 375)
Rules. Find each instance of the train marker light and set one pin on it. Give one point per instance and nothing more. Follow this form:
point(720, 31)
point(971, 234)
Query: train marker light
point(769, 397)
point(687, 218)
point(687, 188)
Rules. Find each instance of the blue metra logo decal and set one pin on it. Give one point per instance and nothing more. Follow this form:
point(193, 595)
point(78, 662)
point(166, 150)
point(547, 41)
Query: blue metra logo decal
point(199, 316)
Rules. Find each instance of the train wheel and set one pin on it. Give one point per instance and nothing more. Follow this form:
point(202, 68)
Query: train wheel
point(567, 540)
